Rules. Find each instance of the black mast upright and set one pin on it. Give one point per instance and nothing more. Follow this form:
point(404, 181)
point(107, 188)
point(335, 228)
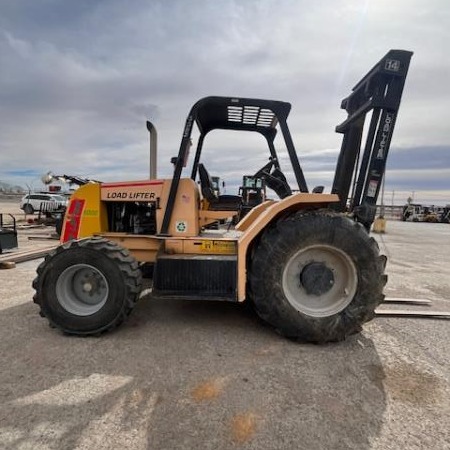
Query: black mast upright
point(379, 92)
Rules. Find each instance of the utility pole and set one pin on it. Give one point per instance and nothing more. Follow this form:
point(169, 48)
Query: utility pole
point(392, 203)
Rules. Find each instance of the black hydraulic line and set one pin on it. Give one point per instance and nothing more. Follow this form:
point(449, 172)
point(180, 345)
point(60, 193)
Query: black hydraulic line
point(366, 157)
point(198, 153)
point(273, 154)
point(293, 156)
point(352, 194)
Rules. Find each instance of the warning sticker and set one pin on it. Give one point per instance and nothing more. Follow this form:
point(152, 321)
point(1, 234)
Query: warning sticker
point(372, 189)
point(219, 247)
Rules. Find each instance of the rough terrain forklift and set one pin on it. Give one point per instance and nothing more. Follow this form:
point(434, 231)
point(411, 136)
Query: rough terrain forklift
point(305, 261)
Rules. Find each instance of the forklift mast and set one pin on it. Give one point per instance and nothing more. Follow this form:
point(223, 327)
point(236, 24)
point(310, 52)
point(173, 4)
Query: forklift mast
point(379, 92)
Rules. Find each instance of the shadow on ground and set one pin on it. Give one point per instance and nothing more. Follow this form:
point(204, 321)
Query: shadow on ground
point(184, 375)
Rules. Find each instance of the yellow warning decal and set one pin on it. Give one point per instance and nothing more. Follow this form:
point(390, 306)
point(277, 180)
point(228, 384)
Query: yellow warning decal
point(219, 247)
point(91, 212)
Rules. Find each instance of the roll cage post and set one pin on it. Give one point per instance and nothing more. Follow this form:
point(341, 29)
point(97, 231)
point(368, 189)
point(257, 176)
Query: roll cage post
point(182, 153)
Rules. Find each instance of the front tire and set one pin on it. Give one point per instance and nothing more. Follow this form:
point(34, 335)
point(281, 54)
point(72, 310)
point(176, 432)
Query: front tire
point(317, 276)
point(88, 286)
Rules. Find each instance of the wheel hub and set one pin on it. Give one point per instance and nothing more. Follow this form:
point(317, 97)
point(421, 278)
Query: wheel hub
point(319, 280)
point(87, 287)
point(316, 278)
point(82, 289)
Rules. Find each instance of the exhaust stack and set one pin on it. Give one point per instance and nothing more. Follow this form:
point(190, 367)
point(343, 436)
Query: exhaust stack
point(153, 149)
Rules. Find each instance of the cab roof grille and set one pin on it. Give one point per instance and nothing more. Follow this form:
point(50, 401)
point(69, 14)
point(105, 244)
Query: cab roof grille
point(252, 115)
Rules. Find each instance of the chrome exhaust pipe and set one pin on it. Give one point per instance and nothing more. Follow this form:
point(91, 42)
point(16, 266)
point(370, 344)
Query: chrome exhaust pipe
point(153, 149)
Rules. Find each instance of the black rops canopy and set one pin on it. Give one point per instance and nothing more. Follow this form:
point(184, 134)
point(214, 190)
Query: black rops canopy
point(232, 113)
point(242, 114)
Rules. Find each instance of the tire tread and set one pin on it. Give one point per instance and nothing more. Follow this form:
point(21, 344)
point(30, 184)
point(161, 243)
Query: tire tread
point(126, 263)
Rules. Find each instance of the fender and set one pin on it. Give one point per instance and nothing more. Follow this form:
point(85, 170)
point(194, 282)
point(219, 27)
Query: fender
point(262, 216)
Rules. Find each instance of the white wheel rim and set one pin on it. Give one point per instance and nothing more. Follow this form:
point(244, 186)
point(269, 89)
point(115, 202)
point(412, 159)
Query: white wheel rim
point(82, 290)
point(339, 272)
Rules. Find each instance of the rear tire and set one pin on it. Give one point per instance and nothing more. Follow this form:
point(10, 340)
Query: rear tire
point(317, 276)
point(88, 286)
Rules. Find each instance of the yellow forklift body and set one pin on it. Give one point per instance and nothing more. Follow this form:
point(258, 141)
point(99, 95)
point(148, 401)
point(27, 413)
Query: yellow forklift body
point(87, 216)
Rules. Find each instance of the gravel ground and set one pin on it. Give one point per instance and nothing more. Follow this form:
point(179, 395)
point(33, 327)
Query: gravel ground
point(200, 375)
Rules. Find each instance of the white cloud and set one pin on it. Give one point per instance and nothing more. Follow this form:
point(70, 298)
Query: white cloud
point(78, 80)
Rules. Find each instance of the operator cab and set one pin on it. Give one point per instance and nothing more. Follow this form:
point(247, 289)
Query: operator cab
point(215, 201)
point(240, 114)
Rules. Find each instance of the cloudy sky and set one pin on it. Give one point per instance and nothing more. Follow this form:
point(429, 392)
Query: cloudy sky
point(78, 80)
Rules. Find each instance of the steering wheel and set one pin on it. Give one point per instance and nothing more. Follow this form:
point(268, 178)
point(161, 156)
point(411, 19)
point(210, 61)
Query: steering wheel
point(264, 171)
point(274, 179)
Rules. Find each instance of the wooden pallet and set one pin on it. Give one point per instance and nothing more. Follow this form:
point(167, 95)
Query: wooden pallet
point(43, 238)
point(18, 257)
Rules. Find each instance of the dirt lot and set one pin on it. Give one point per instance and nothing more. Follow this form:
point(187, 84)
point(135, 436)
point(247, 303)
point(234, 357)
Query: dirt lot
point(199, 375)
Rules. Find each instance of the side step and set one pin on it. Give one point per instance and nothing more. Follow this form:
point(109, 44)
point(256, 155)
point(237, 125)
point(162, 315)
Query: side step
point(196, 277)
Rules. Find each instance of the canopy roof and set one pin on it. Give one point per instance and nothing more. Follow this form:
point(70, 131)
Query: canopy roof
point(231, 113)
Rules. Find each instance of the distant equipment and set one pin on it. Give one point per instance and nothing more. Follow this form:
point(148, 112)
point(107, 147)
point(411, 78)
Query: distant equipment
point(49, 177)
point(8, 233)
point(413, 212)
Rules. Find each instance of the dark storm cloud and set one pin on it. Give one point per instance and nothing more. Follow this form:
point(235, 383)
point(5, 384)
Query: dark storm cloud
point(399, 158)
point(420, 158)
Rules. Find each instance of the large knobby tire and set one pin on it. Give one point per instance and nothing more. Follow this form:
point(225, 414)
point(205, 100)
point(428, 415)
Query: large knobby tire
point(316, 276)
point(88, 286)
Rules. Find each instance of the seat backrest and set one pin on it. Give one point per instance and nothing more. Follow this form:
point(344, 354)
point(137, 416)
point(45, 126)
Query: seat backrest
point(206, 184)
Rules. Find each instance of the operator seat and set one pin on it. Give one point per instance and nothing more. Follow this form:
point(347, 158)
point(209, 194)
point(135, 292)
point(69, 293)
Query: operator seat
point(216, 202)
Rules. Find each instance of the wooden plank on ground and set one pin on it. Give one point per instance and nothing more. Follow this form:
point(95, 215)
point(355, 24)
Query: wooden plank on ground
point(421, 301)
point(29, 227)
point(413, 313)
point(43, 238)
point(18, 257)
